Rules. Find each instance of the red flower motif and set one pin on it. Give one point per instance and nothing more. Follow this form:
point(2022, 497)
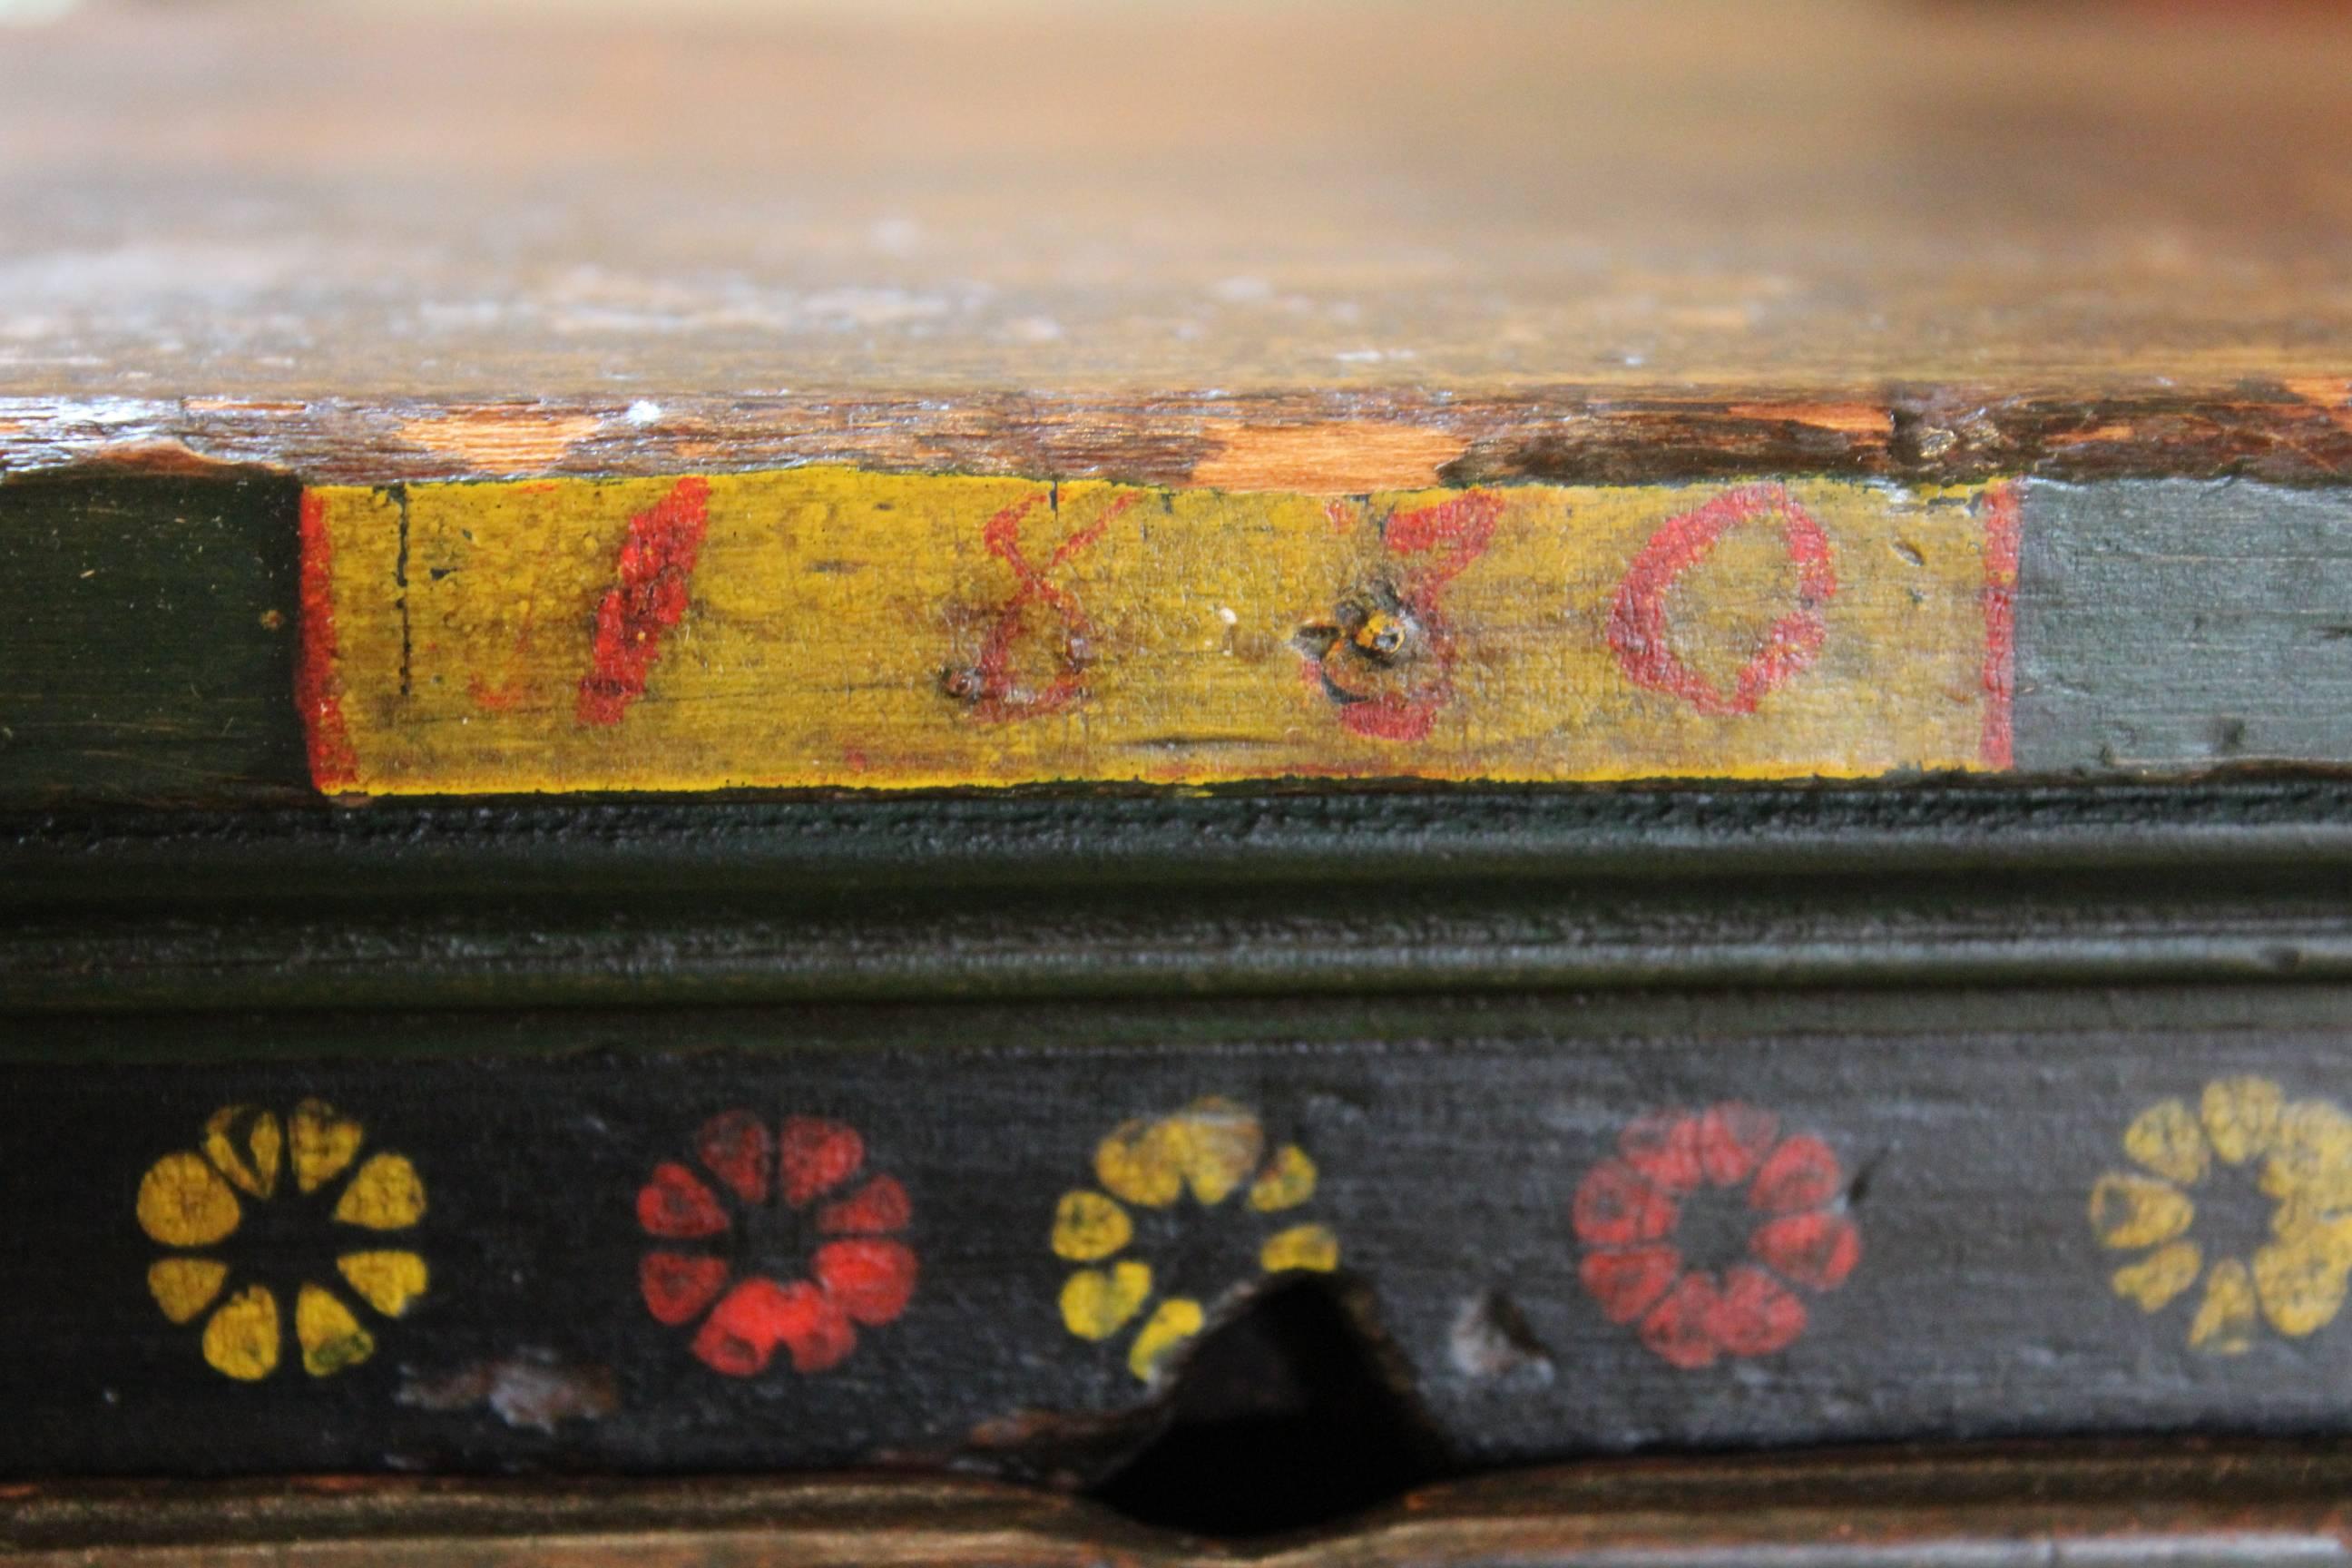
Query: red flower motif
point(1627, 1209)
point(859, 1274)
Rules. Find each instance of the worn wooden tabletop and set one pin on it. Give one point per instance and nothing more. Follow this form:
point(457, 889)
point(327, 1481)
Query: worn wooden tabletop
point(693, 238)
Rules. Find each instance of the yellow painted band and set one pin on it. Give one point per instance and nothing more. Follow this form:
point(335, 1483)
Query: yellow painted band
point(827, 627)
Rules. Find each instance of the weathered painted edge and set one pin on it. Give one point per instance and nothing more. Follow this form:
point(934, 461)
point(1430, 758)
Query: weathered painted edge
point(2244, 1506)
point(836, 628)
point(2296, 431)
point(2159, 630)
point(833, 628)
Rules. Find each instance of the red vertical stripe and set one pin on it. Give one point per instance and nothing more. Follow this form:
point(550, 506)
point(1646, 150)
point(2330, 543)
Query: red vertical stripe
point(318, 685)
point(2003, 524)
point(654, 575)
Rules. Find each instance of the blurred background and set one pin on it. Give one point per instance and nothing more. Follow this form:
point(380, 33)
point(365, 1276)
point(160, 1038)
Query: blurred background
point(552, 195)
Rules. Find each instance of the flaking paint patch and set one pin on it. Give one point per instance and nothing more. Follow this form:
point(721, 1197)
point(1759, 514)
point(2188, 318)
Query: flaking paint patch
point(241, 405)
point(500, 439)
point(1846, 418)
point(1339, 459)
point(534, 1390)
point(167, 456)
point(2331, 394)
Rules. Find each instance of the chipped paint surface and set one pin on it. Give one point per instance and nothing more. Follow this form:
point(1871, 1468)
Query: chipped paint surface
point(534, 1390)
point(1335, 458)
point(496, 438)
point(831, 627)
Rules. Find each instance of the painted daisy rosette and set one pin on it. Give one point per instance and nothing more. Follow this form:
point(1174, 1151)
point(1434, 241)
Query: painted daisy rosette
point(196, 1200)
point(1213, 1152)
point(1789, 1195)
point(782, 1239)
point(2298, 1156)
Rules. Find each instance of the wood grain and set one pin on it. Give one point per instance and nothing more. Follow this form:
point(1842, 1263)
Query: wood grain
point(1565, 432)
point(2241, 1506)
point(1320, 196)
point(1594, 244)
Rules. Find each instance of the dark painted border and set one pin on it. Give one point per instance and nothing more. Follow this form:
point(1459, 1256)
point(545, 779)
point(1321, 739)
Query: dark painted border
point(589, 903)
point(1962, 1137)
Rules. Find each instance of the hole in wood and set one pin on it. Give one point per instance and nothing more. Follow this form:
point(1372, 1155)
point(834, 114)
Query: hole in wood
point(1286, 1417)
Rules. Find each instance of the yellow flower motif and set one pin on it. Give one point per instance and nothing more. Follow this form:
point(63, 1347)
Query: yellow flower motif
point(190, 1200)
point(2302, 1151)
point(1212, 1149)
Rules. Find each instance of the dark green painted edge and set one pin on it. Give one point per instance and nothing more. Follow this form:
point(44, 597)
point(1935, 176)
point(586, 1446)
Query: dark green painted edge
point(1533, 1020)
point(585, 904)
point(533, 847)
